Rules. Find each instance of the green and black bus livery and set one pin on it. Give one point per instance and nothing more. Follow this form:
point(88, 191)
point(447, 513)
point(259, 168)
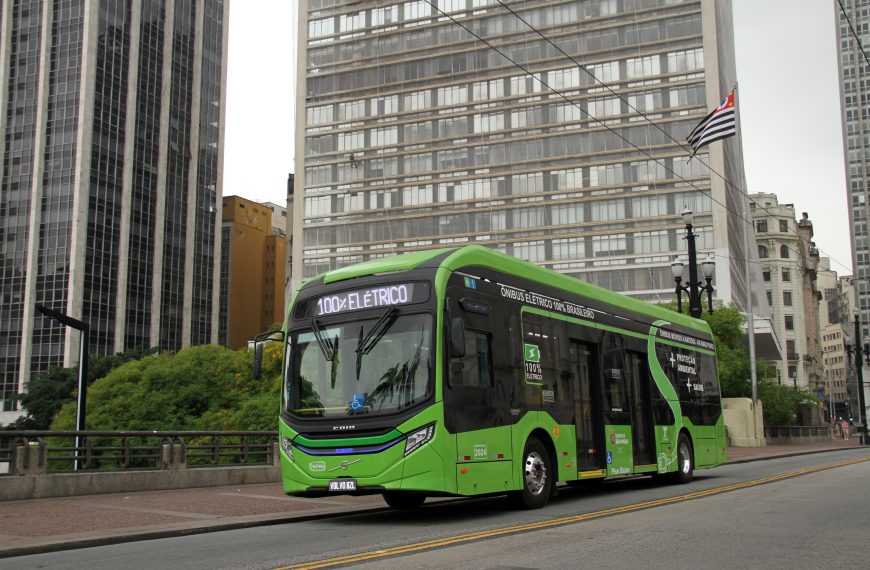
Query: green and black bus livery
point(464, 371)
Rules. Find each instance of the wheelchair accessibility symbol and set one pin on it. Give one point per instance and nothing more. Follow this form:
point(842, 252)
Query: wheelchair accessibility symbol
point(357, 402)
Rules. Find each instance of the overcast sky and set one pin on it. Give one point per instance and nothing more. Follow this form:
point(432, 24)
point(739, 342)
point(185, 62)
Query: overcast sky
point(788, 101)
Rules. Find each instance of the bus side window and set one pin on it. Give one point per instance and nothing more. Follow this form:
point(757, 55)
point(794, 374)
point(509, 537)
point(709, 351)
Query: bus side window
point(616, 405)
point(476, 366)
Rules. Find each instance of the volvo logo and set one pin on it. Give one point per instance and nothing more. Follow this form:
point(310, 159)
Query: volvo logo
point(342, 428)
point(344, 465)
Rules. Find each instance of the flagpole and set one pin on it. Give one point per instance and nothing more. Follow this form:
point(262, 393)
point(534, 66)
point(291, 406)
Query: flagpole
point(750, 313)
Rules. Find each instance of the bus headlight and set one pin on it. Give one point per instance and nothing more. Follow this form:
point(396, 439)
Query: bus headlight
point(287, 446)
point(418, 438)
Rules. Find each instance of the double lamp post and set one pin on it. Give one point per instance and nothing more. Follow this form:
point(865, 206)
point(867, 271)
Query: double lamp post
point(694, 287)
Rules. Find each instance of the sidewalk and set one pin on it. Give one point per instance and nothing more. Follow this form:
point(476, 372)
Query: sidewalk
point(45, 525)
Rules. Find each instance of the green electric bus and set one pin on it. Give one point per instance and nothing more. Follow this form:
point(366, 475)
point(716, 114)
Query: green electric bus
point(464, 371)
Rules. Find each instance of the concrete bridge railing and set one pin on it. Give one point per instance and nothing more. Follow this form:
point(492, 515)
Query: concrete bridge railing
point(58, 464)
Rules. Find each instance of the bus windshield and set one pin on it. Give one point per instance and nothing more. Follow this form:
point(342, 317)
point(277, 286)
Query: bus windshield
point(359, 368)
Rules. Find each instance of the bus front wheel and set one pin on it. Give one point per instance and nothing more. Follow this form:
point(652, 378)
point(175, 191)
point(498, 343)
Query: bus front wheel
point(537, 476)
point(404, 501)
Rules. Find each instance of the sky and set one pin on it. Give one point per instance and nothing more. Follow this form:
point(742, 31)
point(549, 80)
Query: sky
point(788, 99)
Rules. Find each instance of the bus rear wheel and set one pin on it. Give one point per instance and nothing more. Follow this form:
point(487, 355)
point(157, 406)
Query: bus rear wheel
point(537, 477)
point(404, 501)
point(685, 460)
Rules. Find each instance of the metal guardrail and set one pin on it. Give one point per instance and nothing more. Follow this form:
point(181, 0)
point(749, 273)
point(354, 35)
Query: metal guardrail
point(796, 434)
point(56, 451)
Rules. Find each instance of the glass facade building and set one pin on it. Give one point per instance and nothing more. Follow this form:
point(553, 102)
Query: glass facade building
point(855, 106)
point(428, 124)
point(112, 112)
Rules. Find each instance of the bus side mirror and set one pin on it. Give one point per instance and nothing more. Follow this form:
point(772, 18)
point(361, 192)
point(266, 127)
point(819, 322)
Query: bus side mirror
point(457, 338)
point(259, 343)
point(258, 360)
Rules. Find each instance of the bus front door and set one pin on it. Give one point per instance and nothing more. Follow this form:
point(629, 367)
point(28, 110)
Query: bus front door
point(586, 410)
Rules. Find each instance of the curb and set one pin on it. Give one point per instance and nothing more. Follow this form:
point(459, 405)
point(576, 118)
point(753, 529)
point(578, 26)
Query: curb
point(789, 454)
point(172, 533)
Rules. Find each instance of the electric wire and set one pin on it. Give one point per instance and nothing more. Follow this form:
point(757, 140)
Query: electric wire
point(656, 125)
point(607, 127)
point(852, 29)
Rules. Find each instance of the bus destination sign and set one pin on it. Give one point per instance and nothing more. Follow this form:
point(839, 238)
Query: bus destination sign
point(360, 299)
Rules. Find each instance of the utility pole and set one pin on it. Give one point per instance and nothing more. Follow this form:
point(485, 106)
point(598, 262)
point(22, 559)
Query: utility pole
point(859, 365)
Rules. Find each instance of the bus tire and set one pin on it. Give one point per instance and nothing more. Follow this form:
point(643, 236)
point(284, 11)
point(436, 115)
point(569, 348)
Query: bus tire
point(685, 460)
point(404, 501)
point(537, 476)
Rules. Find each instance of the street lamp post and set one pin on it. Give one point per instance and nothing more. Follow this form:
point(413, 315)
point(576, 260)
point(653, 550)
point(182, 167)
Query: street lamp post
point(693, 288)
point(859, 365)
point(81, 403)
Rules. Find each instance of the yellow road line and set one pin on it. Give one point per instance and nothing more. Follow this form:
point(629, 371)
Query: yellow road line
point(527, 527)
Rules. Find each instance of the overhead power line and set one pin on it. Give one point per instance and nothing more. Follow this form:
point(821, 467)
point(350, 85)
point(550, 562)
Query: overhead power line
point(603, 123)
point(653, 123)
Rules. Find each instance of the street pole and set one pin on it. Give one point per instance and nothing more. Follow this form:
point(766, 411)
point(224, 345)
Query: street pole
point(81, 400)
point(859, 365)
point(694, 295)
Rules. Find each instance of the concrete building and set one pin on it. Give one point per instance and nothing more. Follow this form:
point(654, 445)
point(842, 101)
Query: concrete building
point(289, 290)
point(855, 107)
point(112, 116)
point(789, 260)
point(415, 134)
point(252, 271)
point(835, 328)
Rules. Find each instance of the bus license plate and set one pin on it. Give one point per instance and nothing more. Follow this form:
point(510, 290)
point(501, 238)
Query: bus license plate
point(341, 485)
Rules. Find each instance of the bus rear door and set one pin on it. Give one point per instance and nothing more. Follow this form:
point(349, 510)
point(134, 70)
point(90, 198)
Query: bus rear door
point(587, 409)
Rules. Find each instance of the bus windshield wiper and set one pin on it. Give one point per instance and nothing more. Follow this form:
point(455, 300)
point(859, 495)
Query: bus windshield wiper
point(326, 346)
point(375, 334)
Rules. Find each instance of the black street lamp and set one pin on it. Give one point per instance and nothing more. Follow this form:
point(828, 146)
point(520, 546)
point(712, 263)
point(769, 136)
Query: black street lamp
point(859, 365)
point(694, 287)
point(81, 404)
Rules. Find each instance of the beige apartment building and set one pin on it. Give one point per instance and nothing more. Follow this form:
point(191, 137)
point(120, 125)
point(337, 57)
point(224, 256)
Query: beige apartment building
point(836, 330)
point(789, 261)
point(415, 134)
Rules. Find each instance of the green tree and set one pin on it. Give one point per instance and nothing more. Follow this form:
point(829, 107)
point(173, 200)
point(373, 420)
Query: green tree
point(51, 389)
point(198, 388)
point(781, 403)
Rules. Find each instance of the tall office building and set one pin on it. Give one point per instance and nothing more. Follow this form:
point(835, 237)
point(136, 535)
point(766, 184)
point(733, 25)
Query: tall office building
point(412, 133)
point(855, 107)
point(112, 115)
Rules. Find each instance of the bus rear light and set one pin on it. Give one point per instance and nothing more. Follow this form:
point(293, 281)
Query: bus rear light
point(419, 437)
point(287, 446)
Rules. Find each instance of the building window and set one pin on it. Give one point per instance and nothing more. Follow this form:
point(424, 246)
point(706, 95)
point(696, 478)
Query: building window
point(790, 353)
point(769, 298)
point(761, 226)
point(762, 252)
point(786, 275)
point(783, 225)
point(783, 251)
point(792, 371)
point(765, 274)
point(789, 322)
point(786, 298)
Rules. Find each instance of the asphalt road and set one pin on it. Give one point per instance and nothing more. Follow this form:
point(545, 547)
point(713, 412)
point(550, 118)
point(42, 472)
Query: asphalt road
point(795, 512)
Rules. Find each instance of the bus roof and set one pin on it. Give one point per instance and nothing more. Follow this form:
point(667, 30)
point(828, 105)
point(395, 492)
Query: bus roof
point(456, 258)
